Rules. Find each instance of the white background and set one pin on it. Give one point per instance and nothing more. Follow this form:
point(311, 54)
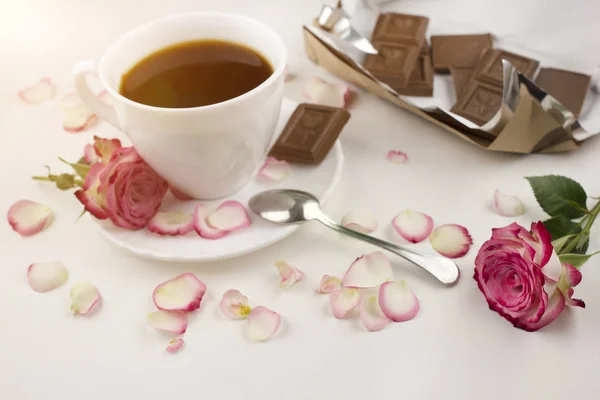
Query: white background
point(455, 349)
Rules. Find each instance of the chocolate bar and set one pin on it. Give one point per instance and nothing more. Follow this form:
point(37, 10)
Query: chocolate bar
point(310, 133)
point(569, 88)
point(420, 82)
point(458, 51)
point(399, 38)
point(481, 97)
point(489, 68)
point(460, 78)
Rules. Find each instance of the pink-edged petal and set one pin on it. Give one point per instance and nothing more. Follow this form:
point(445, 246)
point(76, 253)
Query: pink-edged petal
point(182, 293)
point(553, 268)
point(451, 240)
point(368, 270)
point(329, 284)
point(572, 275)
point(397, 157)
point(322, 92)
point(89, 154)
point(175, 345)
point(262, 323)
point(38, 93)
point(172, 223)
point(275, 170)
point(371, 316)
point(77, 117)
point(230, 216)
point(397, 301)
point(556, 304)
point(202, 227)
point(235, 305)
point(106, 98)
point(179, 195)
point(413, 226)
point(28, 217)
point(360, 220)
point(84, 296)
point(288, 274)
point(92, 201)
point(169, 321)
point(46, 276)
point(104, 148)
point(343, 301)
point(508, 205)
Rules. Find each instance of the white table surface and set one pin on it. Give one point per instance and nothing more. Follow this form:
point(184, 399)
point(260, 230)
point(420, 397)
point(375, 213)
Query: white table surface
point(455, 349)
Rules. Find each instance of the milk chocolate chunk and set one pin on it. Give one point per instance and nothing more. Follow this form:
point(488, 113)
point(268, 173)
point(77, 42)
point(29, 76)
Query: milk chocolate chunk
point(478, 102)
point(310, 133)
point(458, 51)
point(460, 78)
point(420, 82)
point(399, 38)
point(489, 68)
point(569, 88)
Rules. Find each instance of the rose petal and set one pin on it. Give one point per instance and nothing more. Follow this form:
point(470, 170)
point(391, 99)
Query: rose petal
point(175, 345)
point(508, 205)
point(202, 227)
point(368, 271)
point(70, 100)
point(274, 169)
point(27, 217)
point(556, 304)
point(84, 296)
point(182, 293)
point(371, 315)
point(413, 226)
point(92, 201)
point(322, 92)
point(38, 93)
point(235, 305)
point(106, 98)
point(329, 284)
point(78, 119)
point(288, 274)
point(89, 154)
point(452, 241)
point(360, 220)
point(397, 157)
point(229, 216)
point(553, 268)
point(397, 301)
point(262, 323)
point(171, 223)
point(179, 195)
point(104, 148)
point(46, 276)
point(169, 321)
point(344, 300)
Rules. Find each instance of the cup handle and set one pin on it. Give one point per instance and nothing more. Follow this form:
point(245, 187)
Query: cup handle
point(80, 74)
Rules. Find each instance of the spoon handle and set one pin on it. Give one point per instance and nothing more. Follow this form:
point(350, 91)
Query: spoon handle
point(444, 269)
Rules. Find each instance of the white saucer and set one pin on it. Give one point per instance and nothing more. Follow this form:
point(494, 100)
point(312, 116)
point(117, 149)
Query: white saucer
point(318, 180)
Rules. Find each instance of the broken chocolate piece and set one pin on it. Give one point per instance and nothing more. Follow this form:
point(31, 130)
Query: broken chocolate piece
point(399, 38)
point(569, 88)
point(479, 102)
point(459, 51)
point(310, 133)
point(489, 68)
point(420, 82)
point(460, 78)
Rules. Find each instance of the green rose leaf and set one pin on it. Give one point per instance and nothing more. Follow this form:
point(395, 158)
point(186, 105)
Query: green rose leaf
point(559, 195)
point(65, 181)
point(80, 169)
point(576, 260)
point(560, 226)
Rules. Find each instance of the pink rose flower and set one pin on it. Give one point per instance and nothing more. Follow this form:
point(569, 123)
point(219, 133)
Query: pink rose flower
point(125, 190)
point(522, 278)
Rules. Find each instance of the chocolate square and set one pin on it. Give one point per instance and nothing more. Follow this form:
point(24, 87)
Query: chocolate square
point(479, 102)
point(458, 51)
point(396, 65)
point(569, 88)
point(460, 78)
point(420, 82)
point(489, 68)
point(404, 28)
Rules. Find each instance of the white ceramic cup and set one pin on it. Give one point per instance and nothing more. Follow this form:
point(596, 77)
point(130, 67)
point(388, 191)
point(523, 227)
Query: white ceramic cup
point(205, 152)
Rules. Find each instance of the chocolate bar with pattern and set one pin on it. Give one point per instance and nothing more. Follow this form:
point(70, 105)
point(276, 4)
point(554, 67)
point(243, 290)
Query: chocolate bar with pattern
point(310, 133)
